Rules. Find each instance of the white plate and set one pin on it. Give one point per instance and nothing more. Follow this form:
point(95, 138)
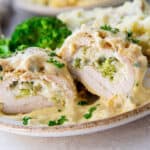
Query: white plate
point(43, 10)
point(12, 126)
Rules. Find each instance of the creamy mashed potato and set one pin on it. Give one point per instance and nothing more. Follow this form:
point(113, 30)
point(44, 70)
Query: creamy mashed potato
point(132, 16)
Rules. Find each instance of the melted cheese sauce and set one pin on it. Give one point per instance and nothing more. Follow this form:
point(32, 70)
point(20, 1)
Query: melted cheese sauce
point(104, 109)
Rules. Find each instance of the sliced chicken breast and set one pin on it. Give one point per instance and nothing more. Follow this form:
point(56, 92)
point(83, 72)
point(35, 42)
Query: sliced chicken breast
point(32, 80)
point(104, 63)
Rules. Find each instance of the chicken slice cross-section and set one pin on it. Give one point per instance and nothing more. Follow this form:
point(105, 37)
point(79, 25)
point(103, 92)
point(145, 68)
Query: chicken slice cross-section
point(34, 80)
point(106, 64)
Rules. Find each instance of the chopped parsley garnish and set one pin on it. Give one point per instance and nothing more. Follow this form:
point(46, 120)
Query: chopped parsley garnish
point(90, 113)
point(129, 37)
point(82, 103)
point(109, 28)
point(129, 34)
point(52, 54)
point(52, 123)
point(25, 120)
point(135, 41)
point(56, 62)
point(60, 121)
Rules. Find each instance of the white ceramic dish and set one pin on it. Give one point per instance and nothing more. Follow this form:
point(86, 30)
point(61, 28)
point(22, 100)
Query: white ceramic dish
point(43, 10)
point(13, 126)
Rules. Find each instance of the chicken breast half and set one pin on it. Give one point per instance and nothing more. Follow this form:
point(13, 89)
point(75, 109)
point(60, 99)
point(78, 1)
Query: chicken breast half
point(33, 80)
point(105, 63)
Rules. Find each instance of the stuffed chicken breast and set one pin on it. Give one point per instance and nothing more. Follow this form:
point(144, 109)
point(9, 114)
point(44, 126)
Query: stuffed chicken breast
point(132, 16)
point(33, 80)
point(106, 63)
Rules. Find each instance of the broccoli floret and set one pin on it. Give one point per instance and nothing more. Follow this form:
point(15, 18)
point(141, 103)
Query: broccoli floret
point(44, 32)
point(4, 48)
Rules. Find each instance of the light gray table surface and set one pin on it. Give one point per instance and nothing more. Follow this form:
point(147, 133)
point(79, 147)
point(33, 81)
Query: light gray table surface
point(133, 136)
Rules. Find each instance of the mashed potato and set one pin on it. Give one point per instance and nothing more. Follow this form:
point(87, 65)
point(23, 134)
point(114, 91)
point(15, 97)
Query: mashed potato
point(132, 16)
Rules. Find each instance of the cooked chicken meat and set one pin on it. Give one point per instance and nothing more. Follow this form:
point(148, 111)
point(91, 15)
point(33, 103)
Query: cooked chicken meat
point(33, 80)
point(104, 63)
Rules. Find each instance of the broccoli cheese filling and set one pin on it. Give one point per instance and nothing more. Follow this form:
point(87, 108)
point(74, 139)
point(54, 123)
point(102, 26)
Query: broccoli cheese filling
point(23, 89)
point(49, 90)
point(106, 65)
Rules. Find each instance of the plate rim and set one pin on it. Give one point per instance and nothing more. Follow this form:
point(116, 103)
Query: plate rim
point(78, 129)
point(47, 10)
point(75, 129)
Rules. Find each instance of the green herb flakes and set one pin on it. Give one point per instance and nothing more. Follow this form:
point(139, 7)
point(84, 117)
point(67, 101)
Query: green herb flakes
point(109, 28)
point(52, 54)
point(129, 37)
point(56, 62)
point(136, 41)
point(60, 121)
point(90, 113)
point(52, 123)
point(25, 120)
point(129, 34)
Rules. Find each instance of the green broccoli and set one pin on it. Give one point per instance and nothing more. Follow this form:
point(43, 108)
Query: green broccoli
point(44, 32)
point(4, 48)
